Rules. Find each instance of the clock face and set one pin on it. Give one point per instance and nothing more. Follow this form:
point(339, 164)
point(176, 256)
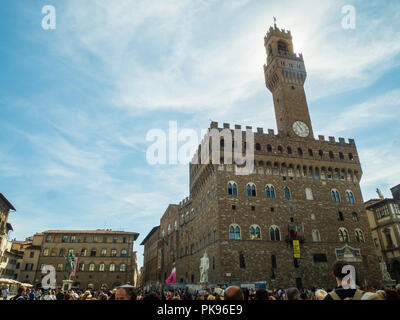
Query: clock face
point(301, 129)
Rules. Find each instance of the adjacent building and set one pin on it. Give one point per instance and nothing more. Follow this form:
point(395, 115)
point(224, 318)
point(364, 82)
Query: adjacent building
point(5, 227)
point(384, 220)
point(104, 258)
point(7, 256)
point(151, 269)
point(287, 221)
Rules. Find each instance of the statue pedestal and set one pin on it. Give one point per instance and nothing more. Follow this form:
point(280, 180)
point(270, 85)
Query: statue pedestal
point(66, 285)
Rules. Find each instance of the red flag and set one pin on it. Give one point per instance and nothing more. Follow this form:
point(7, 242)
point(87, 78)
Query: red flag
point(171, 277)
point(75, 266)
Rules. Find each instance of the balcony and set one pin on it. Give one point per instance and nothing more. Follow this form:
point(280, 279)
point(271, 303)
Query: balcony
point(290, 237)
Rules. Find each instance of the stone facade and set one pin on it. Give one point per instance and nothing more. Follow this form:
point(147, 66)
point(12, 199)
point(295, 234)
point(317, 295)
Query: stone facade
point(105, 257)
point(247, 231)
point(5, 227)
point(151, 268)
point(384, 221)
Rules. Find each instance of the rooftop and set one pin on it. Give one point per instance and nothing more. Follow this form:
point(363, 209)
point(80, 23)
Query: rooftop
point(8, 204)
point(98, 231)
point(149, 235)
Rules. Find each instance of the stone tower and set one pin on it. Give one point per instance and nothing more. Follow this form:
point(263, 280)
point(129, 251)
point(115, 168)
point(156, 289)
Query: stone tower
point(285, 74)
point(285, 223)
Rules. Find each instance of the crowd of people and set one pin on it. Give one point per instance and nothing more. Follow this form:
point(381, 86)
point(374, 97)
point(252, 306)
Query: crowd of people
point(232, 293)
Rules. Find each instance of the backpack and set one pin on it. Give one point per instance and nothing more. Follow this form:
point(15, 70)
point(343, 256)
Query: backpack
point(357, 295)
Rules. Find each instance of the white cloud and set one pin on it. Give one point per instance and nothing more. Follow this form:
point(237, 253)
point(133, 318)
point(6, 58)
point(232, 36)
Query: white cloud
point(368, 114)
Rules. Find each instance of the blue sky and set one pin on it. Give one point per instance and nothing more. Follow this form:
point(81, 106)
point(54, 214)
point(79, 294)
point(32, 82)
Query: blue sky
point(77, 102)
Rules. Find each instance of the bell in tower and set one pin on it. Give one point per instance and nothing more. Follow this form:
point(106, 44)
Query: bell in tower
point(285, 74)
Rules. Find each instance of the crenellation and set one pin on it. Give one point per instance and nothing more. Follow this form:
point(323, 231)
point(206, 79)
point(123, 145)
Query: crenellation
point(332, 140)
point(342, 141)
point(238, 127)
point(214, 125)
point(271, 133)
point(321, 138)
point(227, 126)
point(260, 131)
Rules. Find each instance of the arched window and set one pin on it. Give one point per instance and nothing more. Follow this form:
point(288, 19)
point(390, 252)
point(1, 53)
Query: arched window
point(122, 267)
point(287, 193)
point(335, 195)
point(169, 229)
point(343, 235)
point(316, 236)
point(282, 47)
point(270, 191)
point(162, 233)
point(355, 216)
point(280, 149)
point(234, 232)
point(232, 188)
point(359, 235)
point(112, 267)
point(91, 267)
point(251, 190)
point(123, 253)
point(340, 216)
point(300, 151)
point(175, 225)
point(331, 156)
point(255, 232)
point(269, 148)
point(101, 267)
point(349, 196)
point(289, 150)
point(258, 147)
point(274, 233)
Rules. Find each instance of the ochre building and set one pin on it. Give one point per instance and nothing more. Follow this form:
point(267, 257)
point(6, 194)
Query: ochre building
point(105, 258)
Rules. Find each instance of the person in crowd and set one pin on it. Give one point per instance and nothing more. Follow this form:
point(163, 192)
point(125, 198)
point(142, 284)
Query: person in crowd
point(293, 294)
point(21, 294)
point(121, 294)
point(31, 294)
point(233, 293)
point(320, 294)
point(340, 293)
point(152, 296)
point(261, 294)
point(391, 294)
point(5, 293)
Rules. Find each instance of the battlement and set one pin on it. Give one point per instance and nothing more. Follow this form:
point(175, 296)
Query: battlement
point(270, 133)
point(185, 202)
point(275, 31)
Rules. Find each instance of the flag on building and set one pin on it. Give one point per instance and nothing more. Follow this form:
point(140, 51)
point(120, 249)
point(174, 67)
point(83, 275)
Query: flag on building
point(171, 277)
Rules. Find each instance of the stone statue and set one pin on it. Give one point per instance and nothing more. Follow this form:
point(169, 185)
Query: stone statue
point(385, 274)
point(204, 266)
point(69, 267)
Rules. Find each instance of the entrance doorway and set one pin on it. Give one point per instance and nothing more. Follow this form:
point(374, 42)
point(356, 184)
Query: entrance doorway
point(299, 283)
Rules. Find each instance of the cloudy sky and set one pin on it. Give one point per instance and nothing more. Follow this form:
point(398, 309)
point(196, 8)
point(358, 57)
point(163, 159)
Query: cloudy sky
point(77, 102)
